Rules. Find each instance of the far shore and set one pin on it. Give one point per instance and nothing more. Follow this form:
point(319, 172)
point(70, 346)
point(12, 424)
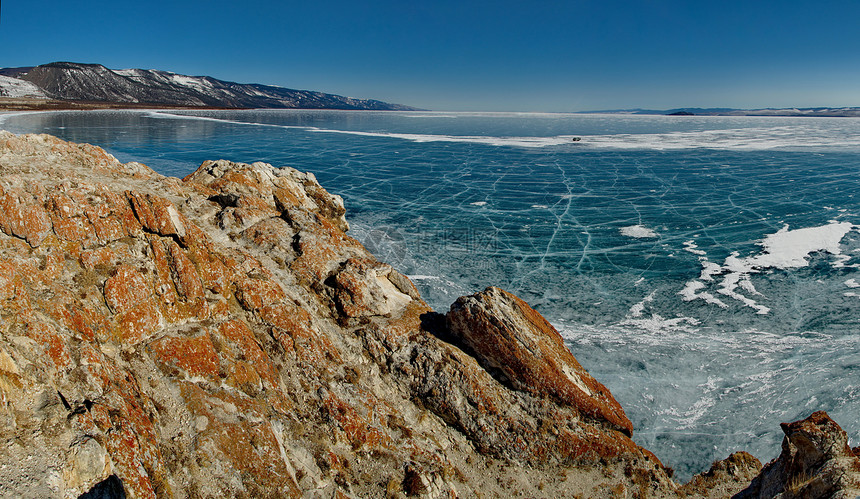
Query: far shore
point(27, 104)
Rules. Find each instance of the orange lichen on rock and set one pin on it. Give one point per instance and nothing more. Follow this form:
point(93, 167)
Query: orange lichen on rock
point(507, 335)
point(23, 215)
point(157, 215)
point(187, 281)
point(357, 429)
point(69, 221)
point(99, 257)
point(256, 291)
point(82, 320)
point(125, 453)
point(196, 356)
point(210, 265)
point(53, 345)
point(320, 247)
point(112, 216)
point(125, 289)
point(364, 289)
point(11, 284)
point(232, 435)
point(135, 325)
point(294, 328)
point(238, 333)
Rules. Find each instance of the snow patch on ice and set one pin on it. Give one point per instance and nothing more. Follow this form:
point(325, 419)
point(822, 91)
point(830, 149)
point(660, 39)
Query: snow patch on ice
point(785, 249)
point(791, 248)
point(709, 269)
point(637, 309)
point(471, 139)
point(754, 138)
point(744, 139)
point(658, 324)
point(638, 232)
point(690, 293)
point(693, 248)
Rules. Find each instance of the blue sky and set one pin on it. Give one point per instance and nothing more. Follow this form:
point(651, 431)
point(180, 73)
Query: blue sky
point(471, 55)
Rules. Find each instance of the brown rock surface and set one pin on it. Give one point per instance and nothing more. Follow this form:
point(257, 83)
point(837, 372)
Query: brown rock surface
point(222, 336)
point(508, 337)
point(724, 479)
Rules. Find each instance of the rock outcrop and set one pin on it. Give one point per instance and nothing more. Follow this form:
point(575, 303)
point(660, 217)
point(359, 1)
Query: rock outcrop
point(221, 335)
point(509, 338)
point(815, 462)
point(725, 478)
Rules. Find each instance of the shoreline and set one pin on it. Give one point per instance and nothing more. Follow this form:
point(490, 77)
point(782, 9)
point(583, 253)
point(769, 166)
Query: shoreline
point(17, 104)
point(11, 104)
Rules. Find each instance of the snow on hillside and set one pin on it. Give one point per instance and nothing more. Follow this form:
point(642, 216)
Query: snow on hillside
point(198, 84)
point(13, 87)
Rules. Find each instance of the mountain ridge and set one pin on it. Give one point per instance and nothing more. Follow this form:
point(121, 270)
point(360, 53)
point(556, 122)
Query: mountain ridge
point(79, 82)
point(829, 112)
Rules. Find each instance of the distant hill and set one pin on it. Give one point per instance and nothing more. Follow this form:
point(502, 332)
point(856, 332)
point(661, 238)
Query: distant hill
point(726, 111)
point(69, 81)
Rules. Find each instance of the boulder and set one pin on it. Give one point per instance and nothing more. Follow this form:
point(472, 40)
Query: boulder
point(524, 351)
point(815, 462)
point(724, 479)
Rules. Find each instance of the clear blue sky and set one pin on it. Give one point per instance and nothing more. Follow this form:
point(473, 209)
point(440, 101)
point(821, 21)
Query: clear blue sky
point(527, 55)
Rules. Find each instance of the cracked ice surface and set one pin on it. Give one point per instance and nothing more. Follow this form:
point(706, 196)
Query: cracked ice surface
point(742, 216)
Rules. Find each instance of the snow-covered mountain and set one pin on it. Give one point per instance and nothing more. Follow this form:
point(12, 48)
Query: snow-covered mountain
point(93, 82)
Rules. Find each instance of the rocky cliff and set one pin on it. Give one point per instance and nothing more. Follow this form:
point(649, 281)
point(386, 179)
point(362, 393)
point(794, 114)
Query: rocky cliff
point(222, 336)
